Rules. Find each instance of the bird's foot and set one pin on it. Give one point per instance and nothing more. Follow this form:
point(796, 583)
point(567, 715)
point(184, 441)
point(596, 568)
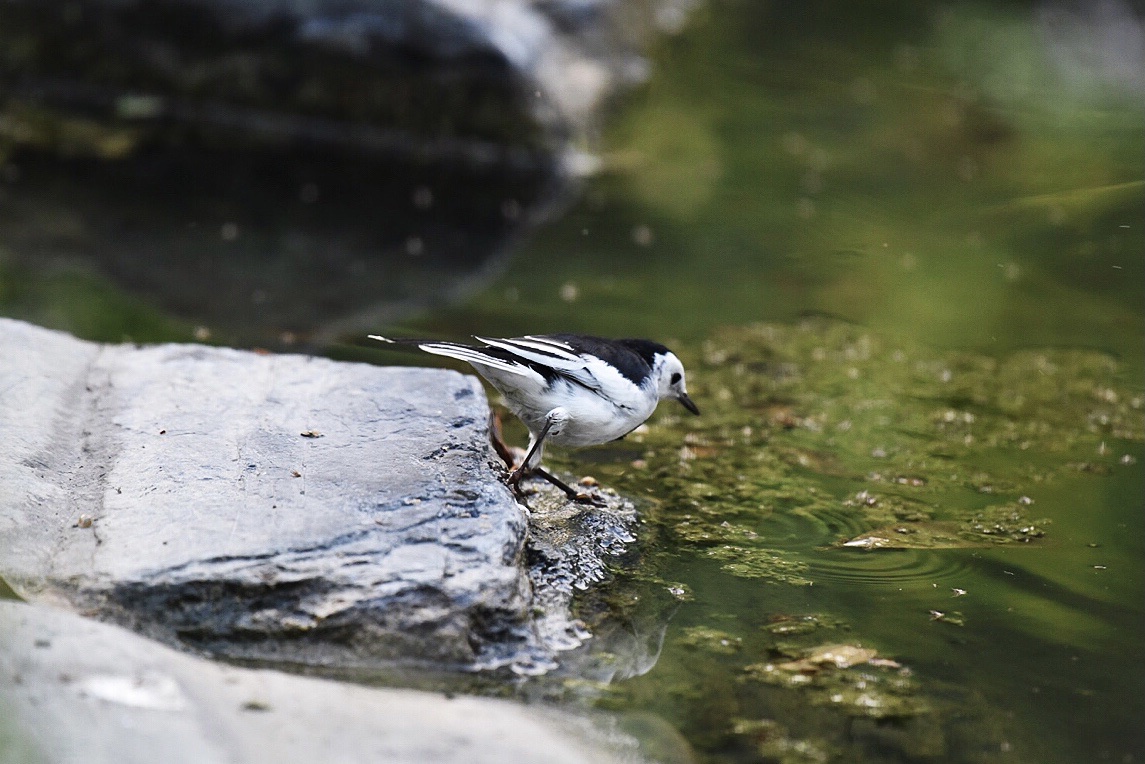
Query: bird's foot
point(518, 492)
point(588, 498)
point(515, 477)
point(580, 497)
point(514, 482)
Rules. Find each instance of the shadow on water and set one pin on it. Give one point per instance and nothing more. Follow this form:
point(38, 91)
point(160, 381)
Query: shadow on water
point(316, 242)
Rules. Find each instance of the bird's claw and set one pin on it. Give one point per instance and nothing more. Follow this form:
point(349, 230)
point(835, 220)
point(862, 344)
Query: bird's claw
point(518, 494)
point(516, 476)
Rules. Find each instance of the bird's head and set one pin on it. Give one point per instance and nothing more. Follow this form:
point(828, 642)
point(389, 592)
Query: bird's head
point(671, 384)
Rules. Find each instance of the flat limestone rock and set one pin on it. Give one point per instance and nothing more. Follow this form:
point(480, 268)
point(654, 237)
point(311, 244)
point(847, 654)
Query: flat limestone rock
point(272, 507)
point(73, 690)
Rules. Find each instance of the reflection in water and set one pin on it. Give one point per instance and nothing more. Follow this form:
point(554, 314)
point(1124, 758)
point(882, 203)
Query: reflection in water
point(573, 549)
point(258, 240)
point(281, 169)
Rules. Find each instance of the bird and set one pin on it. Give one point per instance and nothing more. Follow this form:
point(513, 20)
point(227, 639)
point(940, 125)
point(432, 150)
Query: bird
point(570, 390)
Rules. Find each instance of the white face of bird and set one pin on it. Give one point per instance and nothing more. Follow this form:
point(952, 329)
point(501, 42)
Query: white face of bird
point(672, 383)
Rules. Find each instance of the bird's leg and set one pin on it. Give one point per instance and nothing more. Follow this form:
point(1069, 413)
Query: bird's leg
point(516, 475)
point(573, 494)
point(554, 423)
point(498, 441)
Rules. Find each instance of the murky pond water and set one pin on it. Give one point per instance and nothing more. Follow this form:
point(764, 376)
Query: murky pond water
point(937, 473)
point(901, 253)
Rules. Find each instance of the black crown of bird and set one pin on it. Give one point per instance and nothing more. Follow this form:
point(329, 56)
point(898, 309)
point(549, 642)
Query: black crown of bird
point(570, 390)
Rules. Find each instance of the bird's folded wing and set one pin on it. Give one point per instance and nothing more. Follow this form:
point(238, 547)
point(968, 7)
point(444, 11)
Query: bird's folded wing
point(553, 354)
point(475, 356)
point(537, 352)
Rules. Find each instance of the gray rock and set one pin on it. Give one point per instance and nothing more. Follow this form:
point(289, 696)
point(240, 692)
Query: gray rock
point(72, 690)
point(262, 506)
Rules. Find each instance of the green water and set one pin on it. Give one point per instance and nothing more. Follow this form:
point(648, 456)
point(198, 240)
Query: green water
point(931, 180)
point(785, 161)
point(900, 249)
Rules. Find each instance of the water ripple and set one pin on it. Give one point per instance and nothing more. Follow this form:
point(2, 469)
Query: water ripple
point(816, 535)
point(891, 567)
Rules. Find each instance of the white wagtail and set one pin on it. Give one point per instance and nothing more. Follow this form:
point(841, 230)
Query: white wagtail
point(569, 389)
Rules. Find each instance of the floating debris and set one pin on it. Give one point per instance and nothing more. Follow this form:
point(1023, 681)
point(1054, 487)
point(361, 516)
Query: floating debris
point(851, 678)
point(769, 564)
point(838, 656)
point(954, 618)
point(992, 526)
point(710, 640)
point(783, 625)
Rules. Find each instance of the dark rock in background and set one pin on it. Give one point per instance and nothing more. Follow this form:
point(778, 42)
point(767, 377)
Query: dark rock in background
point(312, 167)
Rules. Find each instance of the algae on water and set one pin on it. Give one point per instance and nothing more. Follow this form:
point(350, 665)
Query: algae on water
point(871, 442)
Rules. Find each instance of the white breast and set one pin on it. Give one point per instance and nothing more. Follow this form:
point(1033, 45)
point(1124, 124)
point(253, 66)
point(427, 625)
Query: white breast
point(592, 420)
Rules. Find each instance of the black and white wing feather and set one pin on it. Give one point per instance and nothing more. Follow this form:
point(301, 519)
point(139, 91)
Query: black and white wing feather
point(469, 354)
point(545, 359)
point(559, 358)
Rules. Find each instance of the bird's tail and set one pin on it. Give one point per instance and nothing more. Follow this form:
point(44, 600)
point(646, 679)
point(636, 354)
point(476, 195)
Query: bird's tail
point(488, 357)
point(402, 342)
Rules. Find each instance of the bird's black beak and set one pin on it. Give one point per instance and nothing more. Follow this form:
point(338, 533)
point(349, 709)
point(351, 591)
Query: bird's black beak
point(687, 403)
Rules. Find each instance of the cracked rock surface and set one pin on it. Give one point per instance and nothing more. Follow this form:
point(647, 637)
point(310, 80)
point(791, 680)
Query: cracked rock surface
point(267, 507)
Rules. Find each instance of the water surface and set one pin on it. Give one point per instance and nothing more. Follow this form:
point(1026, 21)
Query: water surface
point(959, 189)
point(900, 248)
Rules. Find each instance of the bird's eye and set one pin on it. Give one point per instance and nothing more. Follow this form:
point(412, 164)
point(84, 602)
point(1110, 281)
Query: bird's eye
point(676, 378)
